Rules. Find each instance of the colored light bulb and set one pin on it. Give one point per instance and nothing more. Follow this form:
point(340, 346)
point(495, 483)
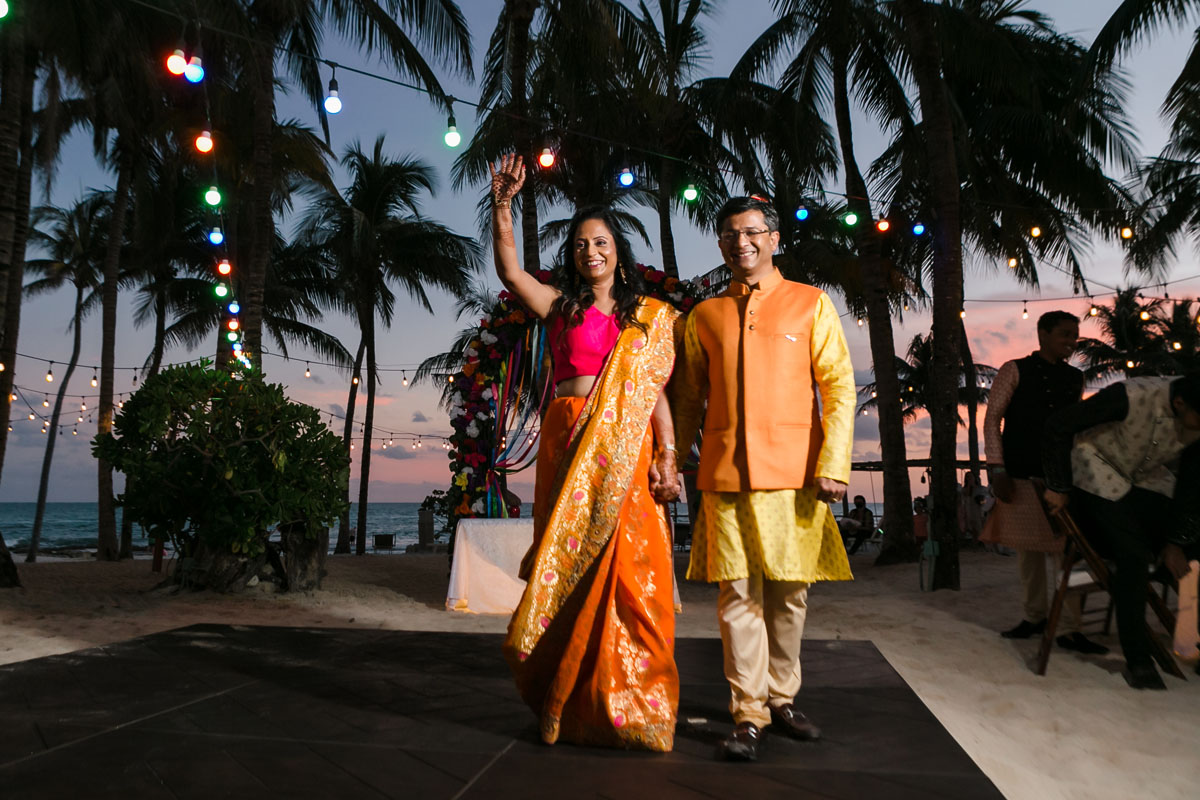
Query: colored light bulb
point(194, 71)
point(176, 62)
point(204, 142)
point(625, 178)
point(690, 193)
point(213, 196)
point(802, 213)
point(216, 236)
point(546, 159)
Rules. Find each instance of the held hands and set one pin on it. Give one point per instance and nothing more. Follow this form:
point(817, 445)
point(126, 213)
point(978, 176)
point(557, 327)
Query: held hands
point(664, 477)
point(508, 176)
point(829, 490)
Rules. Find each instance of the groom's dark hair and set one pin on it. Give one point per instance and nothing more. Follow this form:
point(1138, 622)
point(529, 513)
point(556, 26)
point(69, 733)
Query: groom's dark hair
point(740, 205)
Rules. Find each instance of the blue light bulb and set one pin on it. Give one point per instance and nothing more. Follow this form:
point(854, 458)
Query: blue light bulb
point(625, 178)
point(801, 213)
point(216, 236)
point(918, 229)
point(234, 308)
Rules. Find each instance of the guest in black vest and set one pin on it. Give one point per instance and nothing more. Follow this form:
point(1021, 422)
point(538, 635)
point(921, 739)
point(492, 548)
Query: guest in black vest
point(1024, 394)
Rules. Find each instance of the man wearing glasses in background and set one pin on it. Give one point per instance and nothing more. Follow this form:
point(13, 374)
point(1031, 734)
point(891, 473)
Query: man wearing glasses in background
point(770, 462)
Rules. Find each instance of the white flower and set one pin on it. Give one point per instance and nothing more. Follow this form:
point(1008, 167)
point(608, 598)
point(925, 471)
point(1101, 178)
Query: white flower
point(479, 506)
point(470, 352)
point(487, 393)
point(487, 338)
point(480, 415)
point(468, 471)
point(473, 430)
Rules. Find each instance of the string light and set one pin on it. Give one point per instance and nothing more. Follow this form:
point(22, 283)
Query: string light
point(231, 336)
point(1093, 311)
point(354, 380)
point(46, 402)
point(1012, 263)
point(204, 142)
point(860, 322)
point(452, 138)
point(234, 307)
point(918, 229)
point(221, 290)
point(213, 196)
point(883, 225)
point(850, 219)
point(1, 366)
point(176, 62)
point(1035, 231)
point(450, 378)
point(1145, 315)
point(224, 267)
point(333, 103)
point(1177, 345)
point(233, 324)
point(1024, 310)
point(403, 379)
point(625, 178)
point(1127, 232)
point(216, 236)
point(691, 193)
point(307, 370)
point(194, 71)
point(94, 378)
point(50, 373)
point(1129, 365)
point(802, 213)
point(962, 314)
point(546, 159)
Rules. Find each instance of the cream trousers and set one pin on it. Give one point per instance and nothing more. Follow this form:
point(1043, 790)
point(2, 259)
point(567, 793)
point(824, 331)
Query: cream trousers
point(1036, 590)
point(762, 623)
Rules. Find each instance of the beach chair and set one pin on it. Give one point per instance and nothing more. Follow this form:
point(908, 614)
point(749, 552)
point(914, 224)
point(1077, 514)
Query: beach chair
point(1096, 578)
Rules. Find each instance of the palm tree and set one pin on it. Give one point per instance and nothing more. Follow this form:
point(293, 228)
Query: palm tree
point(837, 45)
point(915, 372)
point(393, 27)
point(1131, 341)
point(74, 243)
point(374, 236)
point(993, 144)
point(18, 62)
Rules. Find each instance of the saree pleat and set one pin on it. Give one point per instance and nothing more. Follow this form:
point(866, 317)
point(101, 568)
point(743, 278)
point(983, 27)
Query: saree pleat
point(592, 644)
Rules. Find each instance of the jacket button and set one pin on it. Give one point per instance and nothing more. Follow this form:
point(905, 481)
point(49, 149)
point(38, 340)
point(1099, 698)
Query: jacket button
point(752, 311)
point(751, 327)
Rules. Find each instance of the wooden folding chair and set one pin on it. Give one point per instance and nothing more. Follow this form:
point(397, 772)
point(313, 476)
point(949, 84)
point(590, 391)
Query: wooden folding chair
point(1078, 548)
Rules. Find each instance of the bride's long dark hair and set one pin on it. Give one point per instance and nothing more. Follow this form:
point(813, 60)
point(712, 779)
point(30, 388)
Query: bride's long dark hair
point(576, 298)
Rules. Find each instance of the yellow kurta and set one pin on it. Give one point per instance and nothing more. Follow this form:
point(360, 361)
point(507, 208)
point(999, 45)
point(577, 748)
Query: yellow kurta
point(782, 534)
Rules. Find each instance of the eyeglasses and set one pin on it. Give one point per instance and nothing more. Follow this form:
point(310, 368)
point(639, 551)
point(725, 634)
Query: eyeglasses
point(732, 237)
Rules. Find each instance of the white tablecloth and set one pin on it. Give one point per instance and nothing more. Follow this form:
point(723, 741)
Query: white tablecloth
point(487, 557)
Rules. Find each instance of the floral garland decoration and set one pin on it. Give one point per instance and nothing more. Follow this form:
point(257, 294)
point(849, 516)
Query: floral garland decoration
point(507, 327)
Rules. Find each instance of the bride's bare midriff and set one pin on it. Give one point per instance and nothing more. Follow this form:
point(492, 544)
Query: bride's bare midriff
point(575, 387)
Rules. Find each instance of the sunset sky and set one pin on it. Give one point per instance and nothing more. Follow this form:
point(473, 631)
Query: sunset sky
point(414, 127)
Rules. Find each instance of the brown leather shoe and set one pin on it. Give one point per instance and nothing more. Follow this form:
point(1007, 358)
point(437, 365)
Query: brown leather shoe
point(744, 744)
point(787, 719)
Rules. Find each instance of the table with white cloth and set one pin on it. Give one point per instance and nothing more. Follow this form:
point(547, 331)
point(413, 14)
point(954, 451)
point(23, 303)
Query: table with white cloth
point(487, 558)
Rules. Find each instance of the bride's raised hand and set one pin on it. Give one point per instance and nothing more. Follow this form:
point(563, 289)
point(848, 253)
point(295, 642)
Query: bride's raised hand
point(508, 176)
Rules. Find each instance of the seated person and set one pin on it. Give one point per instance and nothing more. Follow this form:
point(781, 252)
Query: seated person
point(1128, 462)
point(864, 523)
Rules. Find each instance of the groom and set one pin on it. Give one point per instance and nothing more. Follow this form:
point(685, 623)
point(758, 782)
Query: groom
point(770, 463)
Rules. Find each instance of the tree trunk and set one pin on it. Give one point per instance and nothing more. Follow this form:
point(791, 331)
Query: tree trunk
point(971, 378)
point(44, 483)
point(666, 237)
point(305, 562)
point(9, 577)
point(262, 229)
point(14, 215)
point(160, 327)
point(343, 542)
point(938, 129)
point(12, 86)
point(364, 473)
point(106, 544)
point(899, 544)
point(520, 20)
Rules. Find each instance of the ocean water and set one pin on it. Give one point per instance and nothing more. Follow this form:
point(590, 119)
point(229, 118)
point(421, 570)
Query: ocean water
point(73, 525)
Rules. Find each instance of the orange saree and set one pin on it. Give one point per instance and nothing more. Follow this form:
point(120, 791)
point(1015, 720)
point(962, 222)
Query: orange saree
point(591, 644)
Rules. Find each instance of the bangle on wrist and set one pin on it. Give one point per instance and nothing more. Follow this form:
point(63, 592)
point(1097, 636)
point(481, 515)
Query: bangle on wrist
point(501, 203)
point(670, 448)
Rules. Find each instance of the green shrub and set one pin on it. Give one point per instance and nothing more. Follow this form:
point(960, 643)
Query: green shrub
point(214, 460)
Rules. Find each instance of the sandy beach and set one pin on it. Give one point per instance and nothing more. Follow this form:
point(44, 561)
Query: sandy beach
point(1077, 733)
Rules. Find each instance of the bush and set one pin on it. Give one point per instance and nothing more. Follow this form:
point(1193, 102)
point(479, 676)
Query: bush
point(213, 460)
